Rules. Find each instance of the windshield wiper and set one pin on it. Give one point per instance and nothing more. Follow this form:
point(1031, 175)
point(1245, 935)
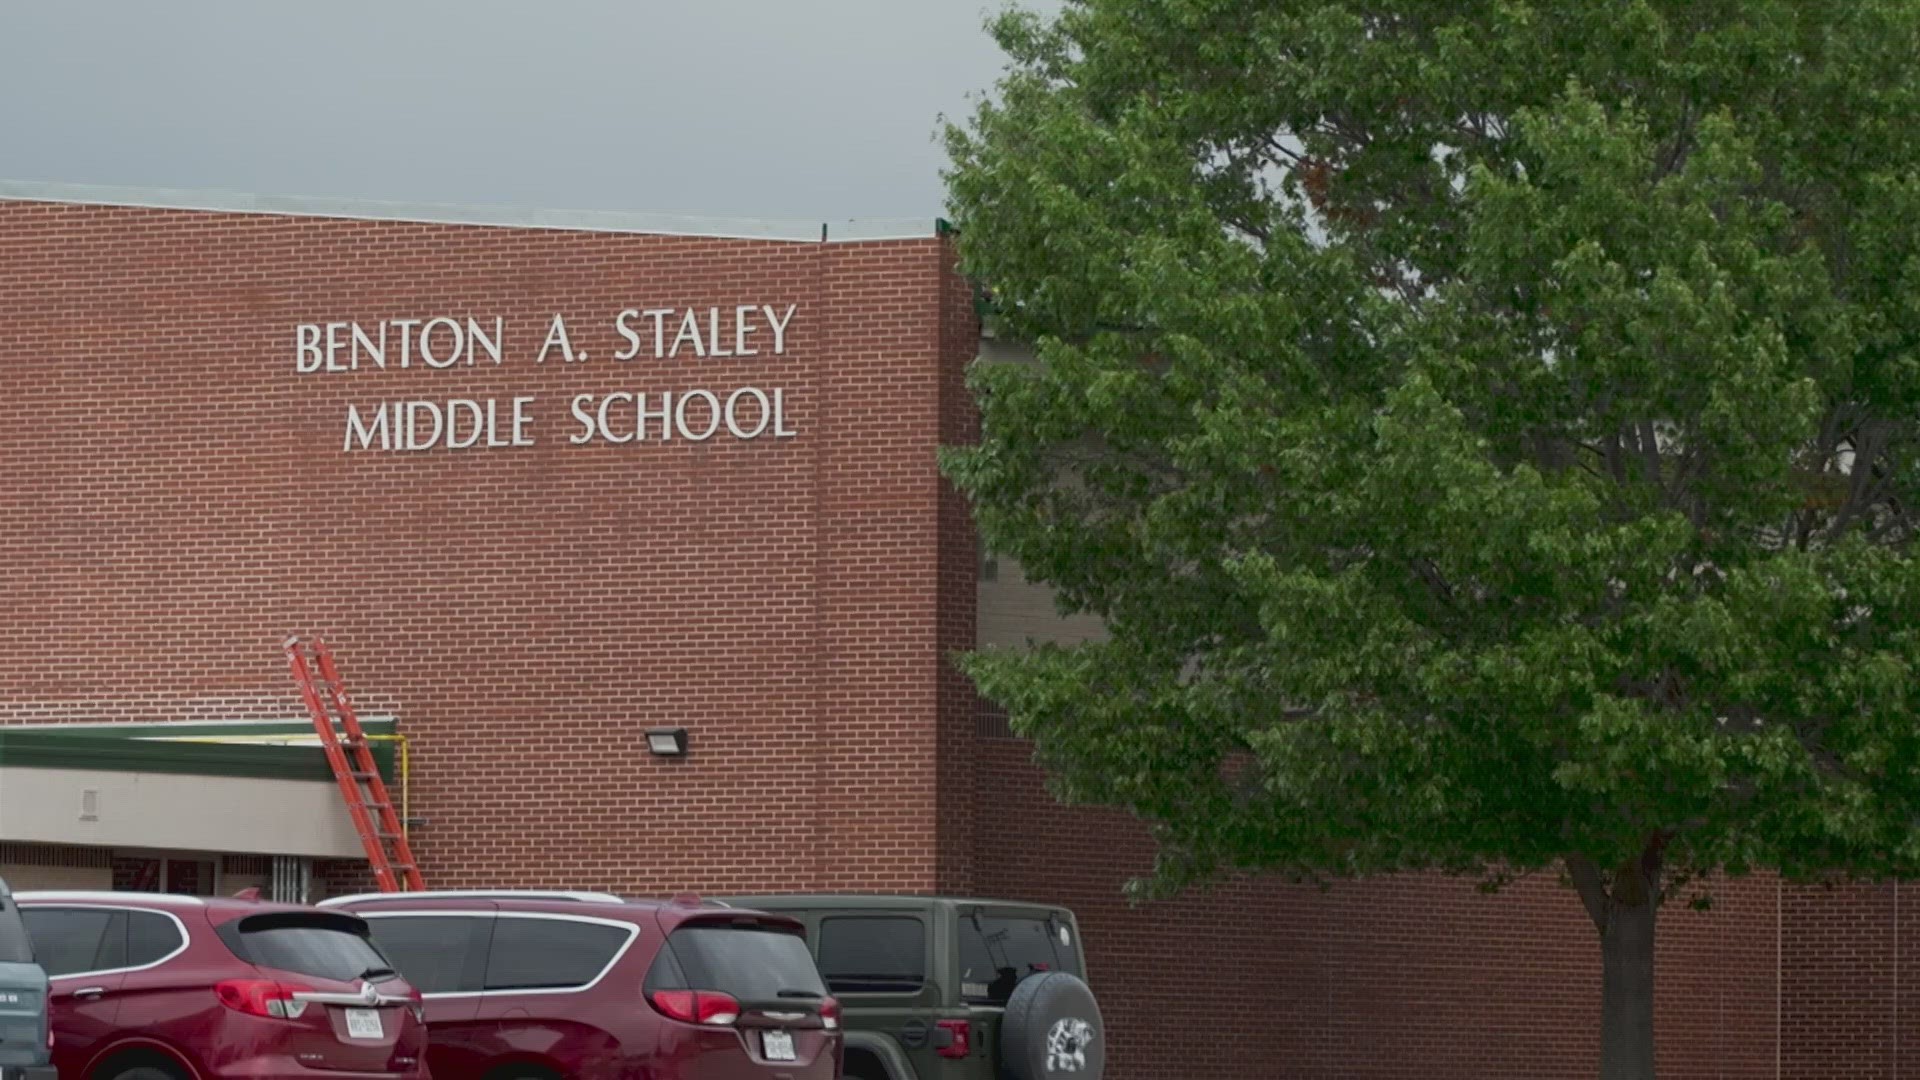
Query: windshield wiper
point(376, 972)
point(808, 994)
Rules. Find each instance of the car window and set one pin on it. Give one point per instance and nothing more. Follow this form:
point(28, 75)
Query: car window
point(873, 954)
point(550, 954)
point(15, 946)
point(997, 952)
point(750, 963)
point(433, 952)
point(151, 938)
point(322, 945)
point(72, 941)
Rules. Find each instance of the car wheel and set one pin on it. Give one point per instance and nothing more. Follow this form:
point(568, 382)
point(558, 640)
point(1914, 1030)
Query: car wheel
point(144, 1072)
point(1052, 1030)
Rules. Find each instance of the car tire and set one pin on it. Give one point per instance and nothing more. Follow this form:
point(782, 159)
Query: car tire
point(144, 1072)
point(1052, 1030)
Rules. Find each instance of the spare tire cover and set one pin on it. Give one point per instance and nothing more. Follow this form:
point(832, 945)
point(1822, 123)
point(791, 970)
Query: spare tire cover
point(1052, 1030)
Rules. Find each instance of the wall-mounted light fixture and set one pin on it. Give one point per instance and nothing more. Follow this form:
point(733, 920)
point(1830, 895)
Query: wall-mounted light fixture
point(667, 741)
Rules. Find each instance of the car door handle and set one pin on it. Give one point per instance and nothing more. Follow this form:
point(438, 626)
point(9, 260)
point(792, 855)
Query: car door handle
point(90, 992)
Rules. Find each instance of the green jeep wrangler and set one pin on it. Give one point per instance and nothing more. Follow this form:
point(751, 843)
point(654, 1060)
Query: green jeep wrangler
point(932, 988)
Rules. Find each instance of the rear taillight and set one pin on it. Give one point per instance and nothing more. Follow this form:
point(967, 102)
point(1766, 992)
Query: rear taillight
point(697, 1006)
point(261, 997)
point(829, 1013)
point(953, 1038)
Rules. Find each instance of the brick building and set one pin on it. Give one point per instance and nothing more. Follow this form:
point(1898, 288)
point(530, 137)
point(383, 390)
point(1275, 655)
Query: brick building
point(230, 421)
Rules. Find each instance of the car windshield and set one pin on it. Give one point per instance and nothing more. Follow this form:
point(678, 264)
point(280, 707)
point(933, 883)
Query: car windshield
point(320, 945)
point(750, 963)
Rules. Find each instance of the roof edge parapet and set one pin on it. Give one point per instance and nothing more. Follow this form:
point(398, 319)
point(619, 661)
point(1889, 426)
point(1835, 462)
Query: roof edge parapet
point(512, 217)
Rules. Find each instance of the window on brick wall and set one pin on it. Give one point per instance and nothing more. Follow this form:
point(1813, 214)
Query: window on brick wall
point(990, 722)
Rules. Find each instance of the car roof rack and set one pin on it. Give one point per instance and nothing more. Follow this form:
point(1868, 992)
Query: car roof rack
point(477, 894)
point(114, 896)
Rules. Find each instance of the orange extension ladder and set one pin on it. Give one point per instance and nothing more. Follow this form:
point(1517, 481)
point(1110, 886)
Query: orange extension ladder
point(369, 804)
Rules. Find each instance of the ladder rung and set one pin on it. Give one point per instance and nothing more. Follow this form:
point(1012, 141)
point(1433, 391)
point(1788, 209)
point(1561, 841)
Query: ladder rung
point(340, 731)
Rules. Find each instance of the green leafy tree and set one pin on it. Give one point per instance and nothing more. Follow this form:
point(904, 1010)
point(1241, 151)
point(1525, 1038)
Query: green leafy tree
point(1485, 429)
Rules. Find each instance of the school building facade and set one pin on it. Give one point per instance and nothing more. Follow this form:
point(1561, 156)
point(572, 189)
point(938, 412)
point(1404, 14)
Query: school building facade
point(545, 482)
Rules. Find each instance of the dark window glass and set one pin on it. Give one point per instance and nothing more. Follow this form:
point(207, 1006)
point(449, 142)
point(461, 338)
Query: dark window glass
point(70, 941)
point(996, 953)
point(873, 955)
point(15, 946)
point(541, 954)
point(433, 952)
point(323, 946)
point(750, 963)
point(665, 974)
point(151, 936)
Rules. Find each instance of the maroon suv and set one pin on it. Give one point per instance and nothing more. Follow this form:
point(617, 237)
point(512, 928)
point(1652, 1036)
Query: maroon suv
point(591, 986)
point(148, 986)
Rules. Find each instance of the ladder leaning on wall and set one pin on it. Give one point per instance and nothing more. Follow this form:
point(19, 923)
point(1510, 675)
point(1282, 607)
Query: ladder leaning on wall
point(350, 755)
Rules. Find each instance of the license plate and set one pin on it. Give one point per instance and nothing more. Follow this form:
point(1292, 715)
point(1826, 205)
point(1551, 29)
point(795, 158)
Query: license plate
point(777, 1045)
point(364, 1024)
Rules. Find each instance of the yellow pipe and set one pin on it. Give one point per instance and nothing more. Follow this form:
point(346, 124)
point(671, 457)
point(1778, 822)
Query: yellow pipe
point(404, 798)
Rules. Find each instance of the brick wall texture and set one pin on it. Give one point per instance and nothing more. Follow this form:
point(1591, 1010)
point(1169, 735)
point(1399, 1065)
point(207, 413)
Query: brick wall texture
point(177, 501)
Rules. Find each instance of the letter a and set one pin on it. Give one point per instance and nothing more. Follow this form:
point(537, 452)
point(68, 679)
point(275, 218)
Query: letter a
point(557, 334)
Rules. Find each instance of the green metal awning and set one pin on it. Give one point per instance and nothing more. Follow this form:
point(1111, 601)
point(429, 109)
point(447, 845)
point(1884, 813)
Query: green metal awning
point(267, 749)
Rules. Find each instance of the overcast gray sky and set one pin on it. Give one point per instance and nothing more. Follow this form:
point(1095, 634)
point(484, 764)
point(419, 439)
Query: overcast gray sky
point(788, 109)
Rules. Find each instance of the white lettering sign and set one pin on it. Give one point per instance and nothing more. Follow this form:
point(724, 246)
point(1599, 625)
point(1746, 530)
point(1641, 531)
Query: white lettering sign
point(705, 337)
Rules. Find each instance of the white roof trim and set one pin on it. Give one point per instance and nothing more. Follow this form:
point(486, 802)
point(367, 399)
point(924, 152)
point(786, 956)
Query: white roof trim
point(607, 221)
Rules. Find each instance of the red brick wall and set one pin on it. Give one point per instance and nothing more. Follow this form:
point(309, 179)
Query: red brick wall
point(959, 579)
point(1404, 977)
point(1852, 983)
point(178, 501)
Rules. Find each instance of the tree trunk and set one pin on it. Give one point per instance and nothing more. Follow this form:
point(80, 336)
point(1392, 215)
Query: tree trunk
point(1626, 992)
point(1623, 905)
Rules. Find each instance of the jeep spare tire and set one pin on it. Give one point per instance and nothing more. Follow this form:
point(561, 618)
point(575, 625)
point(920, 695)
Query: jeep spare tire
point(1052, 1030)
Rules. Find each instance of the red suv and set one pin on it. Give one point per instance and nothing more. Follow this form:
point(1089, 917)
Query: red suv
point(148, 986)
point(523, 985)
